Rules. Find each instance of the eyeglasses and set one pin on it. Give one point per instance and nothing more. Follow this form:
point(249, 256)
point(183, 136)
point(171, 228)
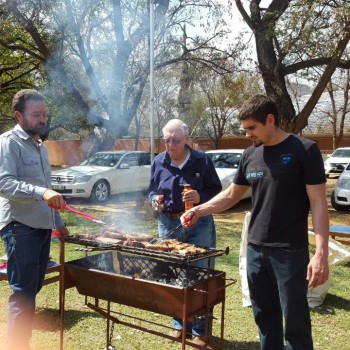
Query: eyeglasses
point(174, 141)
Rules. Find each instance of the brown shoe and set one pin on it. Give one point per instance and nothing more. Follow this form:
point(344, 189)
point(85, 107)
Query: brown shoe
point(175, 333)
point(200, 340)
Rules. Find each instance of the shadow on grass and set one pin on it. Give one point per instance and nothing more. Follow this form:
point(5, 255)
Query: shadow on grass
point(230, 344)
point(47, 319)
point(332, 303)
point(346, 264)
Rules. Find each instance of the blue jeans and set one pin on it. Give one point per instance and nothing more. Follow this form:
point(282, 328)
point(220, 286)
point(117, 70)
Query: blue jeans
point(278, 289)
point(28, 251)
point(203, 234)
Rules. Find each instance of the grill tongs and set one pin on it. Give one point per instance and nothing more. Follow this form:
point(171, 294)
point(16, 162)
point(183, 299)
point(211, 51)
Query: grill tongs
point(166, 236)
point(188, 217)
point(81, 213)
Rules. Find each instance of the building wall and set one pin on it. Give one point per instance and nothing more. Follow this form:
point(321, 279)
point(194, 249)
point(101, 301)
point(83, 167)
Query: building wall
point(67, 153)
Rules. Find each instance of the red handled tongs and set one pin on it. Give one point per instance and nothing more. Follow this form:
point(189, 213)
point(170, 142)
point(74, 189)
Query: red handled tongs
point(81, 213)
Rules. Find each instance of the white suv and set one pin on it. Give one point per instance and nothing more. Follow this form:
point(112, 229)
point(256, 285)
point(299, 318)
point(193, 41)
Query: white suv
point(340, 198)
point(104, 174)
point(337, 161)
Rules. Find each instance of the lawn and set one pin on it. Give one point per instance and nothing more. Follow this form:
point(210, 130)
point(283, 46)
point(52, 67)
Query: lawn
point(85, 329)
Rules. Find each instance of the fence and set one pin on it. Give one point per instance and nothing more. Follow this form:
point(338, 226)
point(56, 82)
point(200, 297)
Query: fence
point(68, 153)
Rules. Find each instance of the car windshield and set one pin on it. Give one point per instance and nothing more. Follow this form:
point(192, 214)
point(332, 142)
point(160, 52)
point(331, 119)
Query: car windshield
point(225, 160)
point(103, 159)
point(342, 153)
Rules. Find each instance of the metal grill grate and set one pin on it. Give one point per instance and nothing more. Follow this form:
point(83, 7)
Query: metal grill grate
point(98, 246)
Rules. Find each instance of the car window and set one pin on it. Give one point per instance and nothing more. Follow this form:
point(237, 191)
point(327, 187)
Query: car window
point(131, 159)
point(145, 159)
point(103, 159)
point(225, 160)
point(342, 153)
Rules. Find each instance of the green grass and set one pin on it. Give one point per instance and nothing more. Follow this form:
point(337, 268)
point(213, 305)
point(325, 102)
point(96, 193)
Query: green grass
point(85, 329)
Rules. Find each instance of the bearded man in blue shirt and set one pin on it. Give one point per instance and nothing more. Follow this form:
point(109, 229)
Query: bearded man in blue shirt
point(26, 220)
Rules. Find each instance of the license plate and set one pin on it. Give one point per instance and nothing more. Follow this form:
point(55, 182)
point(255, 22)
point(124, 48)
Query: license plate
point(58, 187)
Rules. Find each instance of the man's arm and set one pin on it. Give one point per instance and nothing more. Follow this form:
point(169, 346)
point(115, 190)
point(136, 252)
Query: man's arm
point(318, 268)
point(222, 201)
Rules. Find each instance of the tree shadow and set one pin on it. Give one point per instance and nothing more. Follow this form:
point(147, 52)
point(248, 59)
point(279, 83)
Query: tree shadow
point(47, 319)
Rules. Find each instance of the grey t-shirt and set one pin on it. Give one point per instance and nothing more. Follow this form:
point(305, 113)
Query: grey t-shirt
point(24, 177)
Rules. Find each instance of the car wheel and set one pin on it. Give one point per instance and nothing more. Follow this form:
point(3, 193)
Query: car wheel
point(337, 206)
point(100, 192)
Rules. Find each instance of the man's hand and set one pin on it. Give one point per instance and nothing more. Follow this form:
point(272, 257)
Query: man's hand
point(63, 231)
point(317, 271)
point(157, 203)
point(191, 196)
point(188, 219)
point(54, 199)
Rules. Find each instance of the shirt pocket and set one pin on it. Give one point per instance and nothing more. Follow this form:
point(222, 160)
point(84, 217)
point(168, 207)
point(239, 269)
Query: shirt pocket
point(30, 169)
point(30, 161)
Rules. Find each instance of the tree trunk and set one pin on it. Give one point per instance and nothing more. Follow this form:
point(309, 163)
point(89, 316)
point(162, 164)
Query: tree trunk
point(263, 23)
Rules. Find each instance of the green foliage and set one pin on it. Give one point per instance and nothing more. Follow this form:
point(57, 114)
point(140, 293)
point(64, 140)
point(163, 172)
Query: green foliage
point(18, 69)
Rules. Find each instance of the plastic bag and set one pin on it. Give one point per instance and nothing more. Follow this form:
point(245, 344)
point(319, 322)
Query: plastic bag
point(337, 253)
point(243, 261)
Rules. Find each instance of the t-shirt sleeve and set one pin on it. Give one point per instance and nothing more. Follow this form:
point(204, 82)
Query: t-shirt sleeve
point(239, 178)
point(314, 166)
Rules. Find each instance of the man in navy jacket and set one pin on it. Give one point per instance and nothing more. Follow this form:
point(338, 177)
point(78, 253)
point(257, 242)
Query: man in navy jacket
point(177, 166)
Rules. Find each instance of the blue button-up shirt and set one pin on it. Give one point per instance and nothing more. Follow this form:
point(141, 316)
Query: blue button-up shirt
point(24, 177)
point(166, 179)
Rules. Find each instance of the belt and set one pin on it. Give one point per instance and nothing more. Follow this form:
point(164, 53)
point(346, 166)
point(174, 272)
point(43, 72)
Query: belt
point(174, 215)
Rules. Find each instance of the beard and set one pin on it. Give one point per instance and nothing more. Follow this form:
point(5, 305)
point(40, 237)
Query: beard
point(36, 130)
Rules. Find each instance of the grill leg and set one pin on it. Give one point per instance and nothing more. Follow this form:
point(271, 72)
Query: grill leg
point(62, 291)
point(222, 321)
point(184, 321)
point(108, 325)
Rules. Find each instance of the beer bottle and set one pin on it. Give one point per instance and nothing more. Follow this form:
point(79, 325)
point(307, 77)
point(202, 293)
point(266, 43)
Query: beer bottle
point(188, 205)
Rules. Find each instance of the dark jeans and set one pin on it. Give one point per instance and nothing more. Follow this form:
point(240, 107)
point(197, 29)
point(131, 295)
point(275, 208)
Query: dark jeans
point(278, 289)
point(202, 234)
point(28, 251)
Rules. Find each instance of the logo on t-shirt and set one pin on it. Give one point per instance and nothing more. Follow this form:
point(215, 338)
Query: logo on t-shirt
point(285, 159)
point(254, 175)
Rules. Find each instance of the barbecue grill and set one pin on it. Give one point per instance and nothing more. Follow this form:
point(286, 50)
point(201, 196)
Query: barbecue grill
point(93, 245)
point(154, 281)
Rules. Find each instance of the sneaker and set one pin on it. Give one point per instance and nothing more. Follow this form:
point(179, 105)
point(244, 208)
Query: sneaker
point(200, 340)
point(175, 333)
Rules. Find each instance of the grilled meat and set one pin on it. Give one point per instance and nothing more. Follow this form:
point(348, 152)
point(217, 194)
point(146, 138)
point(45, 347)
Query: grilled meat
point(176, 247)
